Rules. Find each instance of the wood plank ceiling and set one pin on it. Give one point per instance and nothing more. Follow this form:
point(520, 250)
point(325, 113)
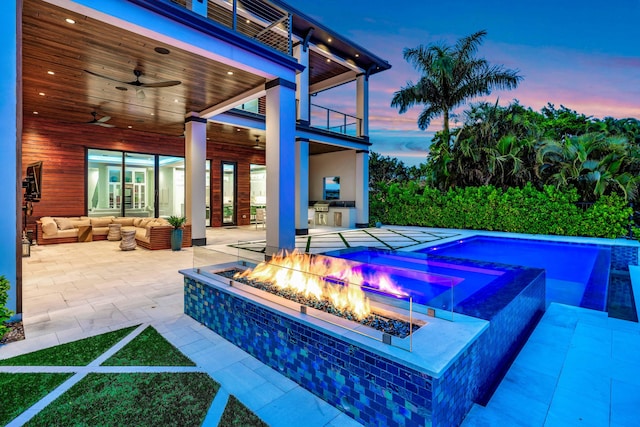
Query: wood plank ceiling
point(52, 45)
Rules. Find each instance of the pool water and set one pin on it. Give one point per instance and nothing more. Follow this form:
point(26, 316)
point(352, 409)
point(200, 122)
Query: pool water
point(445, 276)
point(451, 284)
point(577, 274)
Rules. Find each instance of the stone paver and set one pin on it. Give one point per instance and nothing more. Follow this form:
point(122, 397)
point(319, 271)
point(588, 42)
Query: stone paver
point(72, 291)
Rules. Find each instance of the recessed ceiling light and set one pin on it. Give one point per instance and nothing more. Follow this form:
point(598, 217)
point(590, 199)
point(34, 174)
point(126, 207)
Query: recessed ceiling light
point(35, 112)
point(70, 21)
point(238, 130)
point(248, 21)
point(208, 139)
point(130, 127)
point(51, 72)
point(230, 73)
point(153, 114)
point(328, 60)
point(176, 100)
point(357, 55)
point(41, 93)
point(162, 50)
point(329, 39)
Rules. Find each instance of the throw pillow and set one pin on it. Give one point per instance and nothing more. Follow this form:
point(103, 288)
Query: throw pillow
point(64, 223)
point(49, 226)
point(144, 222)
point(124, 221)
point(80, 222)
point(101, 222)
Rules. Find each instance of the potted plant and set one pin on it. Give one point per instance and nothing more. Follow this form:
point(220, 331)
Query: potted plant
point(177, 222)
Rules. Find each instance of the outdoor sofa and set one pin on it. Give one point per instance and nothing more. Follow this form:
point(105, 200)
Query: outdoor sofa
point(151, 233)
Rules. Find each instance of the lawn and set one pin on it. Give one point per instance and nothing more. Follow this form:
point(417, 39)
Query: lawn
point(116, 399)
point(76, 353)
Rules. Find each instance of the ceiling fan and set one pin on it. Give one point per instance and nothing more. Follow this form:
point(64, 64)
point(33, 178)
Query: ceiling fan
point(137, 83)
point(102, 121)
point(257, 145)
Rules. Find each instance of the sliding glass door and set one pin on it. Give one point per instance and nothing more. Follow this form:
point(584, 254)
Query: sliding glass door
point(228, 193)
point(171, 193)
point(139, 185)
point(124, 184)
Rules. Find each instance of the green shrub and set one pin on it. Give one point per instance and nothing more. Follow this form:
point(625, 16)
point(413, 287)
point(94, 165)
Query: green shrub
point(5, 313)
point(519, 210)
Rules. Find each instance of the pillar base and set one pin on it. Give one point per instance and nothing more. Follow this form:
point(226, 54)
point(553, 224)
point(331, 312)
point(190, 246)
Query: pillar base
point(362, 225)
point(199, 242)
point(302, 231)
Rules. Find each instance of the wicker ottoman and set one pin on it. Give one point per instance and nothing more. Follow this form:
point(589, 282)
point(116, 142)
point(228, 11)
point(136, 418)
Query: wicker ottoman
point(114, 232)
point(128, 242)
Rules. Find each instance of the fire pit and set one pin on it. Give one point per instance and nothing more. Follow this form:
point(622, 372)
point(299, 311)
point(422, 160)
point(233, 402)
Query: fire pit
point(327, 284)
point(435, 384)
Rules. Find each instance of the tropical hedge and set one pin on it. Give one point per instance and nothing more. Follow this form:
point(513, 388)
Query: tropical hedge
point(5, 313)
point(521, 210)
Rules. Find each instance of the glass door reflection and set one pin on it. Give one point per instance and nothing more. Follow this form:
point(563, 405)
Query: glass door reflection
point(139, 192)
point(228, 193)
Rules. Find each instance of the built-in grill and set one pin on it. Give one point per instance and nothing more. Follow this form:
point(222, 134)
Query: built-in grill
point(322, 212)
point(321, 206)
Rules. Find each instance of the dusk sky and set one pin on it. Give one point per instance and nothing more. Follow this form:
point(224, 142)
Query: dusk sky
point(584, 55)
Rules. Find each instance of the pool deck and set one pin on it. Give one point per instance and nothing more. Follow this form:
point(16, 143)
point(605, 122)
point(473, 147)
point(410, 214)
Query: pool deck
point(579, 367)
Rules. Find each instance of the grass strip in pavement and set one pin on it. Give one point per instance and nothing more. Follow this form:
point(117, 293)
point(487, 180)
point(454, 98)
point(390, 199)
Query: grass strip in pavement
point(76, 353)
point(149, 349)
point(132, 399)
point(236, 414)
point(18, 392)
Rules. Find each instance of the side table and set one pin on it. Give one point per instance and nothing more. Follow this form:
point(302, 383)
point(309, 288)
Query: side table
point(85, 233)
point(128, 242)
point(114, 232)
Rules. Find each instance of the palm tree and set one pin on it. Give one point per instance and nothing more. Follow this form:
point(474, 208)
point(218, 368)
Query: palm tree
point(450, 76)
point(593, 163)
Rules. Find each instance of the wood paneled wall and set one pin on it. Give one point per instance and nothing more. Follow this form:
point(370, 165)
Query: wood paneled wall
point(61, 147)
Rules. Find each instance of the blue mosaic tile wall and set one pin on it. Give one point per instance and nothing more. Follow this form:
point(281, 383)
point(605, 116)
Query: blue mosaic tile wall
point(372, 389)
point(369, 387)
point(471, 377)
point(623, 256)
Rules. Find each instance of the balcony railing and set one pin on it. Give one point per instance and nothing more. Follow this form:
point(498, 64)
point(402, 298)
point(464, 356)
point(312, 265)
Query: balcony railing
point(258, 19)
point(334, 121)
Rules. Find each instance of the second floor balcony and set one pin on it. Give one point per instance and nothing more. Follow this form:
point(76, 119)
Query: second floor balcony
point(258, 19)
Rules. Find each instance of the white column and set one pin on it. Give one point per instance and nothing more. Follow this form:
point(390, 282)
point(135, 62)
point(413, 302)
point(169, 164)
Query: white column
point(362, 189)
point(302, 186)
point(199, 7)
point(362, 103)
point(301, 53)
point(195, 158)
point(10, 154)
point(280, 159)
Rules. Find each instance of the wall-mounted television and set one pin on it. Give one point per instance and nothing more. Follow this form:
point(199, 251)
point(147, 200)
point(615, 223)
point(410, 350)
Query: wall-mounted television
point(33, 182)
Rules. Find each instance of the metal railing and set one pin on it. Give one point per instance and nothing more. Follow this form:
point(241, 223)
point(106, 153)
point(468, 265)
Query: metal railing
point(258, 19)
point(334, 121)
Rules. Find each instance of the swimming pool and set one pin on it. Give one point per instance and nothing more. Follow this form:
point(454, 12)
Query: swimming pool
point(476, 288)
point(577, 274)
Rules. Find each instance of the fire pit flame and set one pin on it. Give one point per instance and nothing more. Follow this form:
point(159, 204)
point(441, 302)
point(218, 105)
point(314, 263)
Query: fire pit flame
point(324, 278)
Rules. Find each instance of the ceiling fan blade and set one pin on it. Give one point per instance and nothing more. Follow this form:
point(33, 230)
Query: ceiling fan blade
point(105, 125)
point(162, 84)
point(104, 119)
point(105, 77)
